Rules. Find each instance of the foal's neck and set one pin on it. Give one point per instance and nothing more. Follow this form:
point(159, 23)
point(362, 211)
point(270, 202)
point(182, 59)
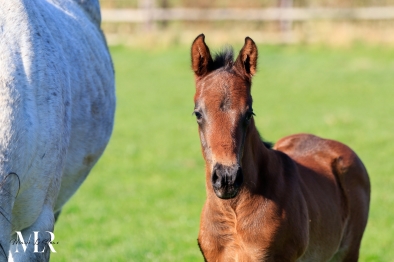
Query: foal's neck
point(255, 161)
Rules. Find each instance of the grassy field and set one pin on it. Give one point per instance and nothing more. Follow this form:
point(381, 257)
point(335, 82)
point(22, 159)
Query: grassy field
point(143, 199)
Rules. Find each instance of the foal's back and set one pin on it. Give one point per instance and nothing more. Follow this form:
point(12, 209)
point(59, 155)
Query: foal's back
point(335, 185)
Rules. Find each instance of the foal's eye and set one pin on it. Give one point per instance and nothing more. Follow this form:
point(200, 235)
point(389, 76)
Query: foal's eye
point(198, 115)
point(249, 115)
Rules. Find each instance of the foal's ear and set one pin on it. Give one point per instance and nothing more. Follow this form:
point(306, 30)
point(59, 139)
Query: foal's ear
point(246, 61)
point(201, 57)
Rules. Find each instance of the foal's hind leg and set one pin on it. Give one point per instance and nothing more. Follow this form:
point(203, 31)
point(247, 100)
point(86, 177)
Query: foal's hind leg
point(39, 251)
point(356, 187)
point(347, 254)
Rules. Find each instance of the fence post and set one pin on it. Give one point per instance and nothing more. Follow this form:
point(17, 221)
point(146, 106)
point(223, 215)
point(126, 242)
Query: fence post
point(147, 6)
point(285, 22)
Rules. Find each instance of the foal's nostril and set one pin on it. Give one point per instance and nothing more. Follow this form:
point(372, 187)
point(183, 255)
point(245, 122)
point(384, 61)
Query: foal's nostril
point(226, 176)
point(216, 179)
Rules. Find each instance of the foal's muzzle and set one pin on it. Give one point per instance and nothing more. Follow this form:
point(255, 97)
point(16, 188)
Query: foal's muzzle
point(226, 180)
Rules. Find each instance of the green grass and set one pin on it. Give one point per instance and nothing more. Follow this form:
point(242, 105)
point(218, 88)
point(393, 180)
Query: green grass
point(142, 201)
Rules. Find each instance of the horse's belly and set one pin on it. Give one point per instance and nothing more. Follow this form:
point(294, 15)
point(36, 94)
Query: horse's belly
point(90, 133)
point(80, 160)
point(93, 106)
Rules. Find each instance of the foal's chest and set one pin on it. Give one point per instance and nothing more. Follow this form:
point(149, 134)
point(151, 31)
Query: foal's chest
point(242, 251)
point(246, 239)
point(233, 246)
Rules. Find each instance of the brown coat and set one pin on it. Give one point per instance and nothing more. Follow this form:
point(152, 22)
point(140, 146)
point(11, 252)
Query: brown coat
point(307, 199)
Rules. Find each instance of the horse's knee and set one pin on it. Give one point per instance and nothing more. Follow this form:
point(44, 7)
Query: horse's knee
point(35, 242)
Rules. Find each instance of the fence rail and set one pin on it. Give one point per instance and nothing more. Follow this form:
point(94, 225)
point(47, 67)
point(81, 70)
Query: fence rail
point(268, 14)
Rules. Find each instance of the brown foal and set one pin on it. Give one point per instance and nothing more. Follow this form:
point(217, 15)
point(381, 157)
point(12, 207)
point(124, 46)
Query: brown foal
point(305, 199)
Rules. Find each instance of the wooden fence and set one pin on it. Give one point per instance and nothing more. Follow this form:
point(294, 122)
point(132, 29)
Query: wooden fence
point(269, 14)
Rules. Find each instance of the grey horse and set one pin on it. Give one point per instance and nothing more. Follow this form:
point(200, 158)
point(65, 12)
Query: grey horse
point(57, 101)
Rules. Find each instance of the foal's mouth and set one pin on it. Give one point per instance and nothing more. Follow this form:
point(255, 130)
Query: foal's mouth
point(226, 180)
point(226, 193)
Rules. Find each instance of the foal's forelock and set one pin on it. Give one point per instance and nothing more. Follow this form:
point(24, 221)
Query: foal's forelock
point(224, 59)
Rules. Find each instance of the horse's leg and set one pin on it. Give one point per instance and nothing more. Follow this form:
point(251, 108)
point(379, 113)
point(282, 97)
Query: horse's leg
point(356, 186)
point(36, 250)
point(9, 187)
point(5, 223)
point(57, 214)
point(5, 231)
point(31, 244)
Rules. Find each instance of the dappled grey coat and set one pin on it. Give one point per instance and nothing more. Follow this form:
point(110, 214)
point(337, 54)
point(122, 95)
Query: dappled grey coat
point(57, 106)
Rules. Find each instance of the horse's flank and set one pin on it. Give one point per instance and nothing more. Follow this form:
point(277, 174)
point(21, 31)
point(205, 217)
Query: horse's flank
point(57, 101)
point(305, 200)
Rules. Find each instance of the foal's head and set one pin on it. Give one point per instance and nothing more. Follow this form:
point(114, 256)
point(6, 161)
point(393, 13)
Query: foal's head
point(223, 108)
